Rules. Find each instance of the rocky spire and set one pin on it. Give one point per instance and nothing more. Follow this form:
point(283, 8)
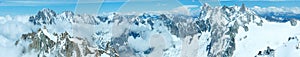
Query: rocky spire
point(243, 8)
point(205, 7)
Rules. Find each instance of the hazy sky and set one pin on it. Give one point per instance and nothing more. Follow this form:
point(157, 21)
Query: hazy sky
point(51, 2)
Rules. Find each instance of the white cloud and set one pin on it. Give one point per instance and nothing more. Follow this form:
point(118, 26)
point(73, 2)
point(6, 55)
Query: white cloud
point(190, 6)
point(262, 10)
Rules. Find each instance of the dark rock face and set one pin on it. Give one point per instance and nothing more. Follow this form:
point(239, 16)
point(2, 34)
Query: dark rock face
point(134, 34)
point(202, 25)
point(243, 8)
point(291, 38)
point(268, 52)
point(293, 22)
point(148, 51)
point(103, 19)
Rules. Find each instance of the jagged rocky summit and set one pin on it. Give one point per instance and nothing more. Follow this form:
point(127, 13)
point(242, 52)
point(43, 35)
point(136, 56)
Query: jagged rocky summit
point(47, 16)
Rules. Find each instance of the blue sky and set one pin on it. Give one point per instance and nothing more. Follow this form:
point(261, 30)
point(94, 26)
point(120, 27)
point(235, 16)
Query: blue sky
point(45, 2)
point(32, 6)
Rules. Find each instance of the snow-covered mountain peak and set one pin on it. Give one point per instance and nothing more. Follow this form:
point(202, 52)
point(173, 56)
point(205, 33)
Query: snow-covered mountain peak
point(48, 16)
point(67, 15)
point(44, 16)
point(224, 23)
point(205, 7)
point(85, 19)
point(47, 12)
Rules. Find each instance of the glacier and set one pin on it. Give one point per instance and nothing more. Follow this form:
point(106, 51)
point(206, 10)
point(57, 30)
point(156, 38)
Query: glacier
point(225, 31)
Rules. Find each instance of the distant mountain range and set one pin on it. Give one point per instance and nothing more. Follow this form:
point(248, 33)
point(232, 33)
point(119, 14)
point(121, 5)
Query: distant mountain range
point(225, 31)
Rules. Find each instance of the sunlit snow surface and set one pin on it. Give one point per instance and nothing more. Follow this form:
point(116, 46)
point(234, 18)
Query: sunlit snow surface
point(271, 34)
point(136, 36)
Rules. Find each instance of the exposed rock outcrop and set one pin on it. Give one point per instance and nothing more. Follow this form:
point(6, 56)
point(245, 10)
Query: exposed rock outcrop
point(63, 45)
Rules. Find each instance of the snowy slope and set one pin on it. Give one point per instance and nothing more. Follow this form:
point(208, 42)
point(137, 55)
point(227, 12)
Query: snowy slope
point(259, 37)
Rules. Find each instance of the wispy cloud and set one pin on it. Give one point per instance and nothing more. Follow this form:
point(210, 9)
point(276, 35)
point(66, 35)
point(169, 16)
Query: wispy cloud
point(50, 2)
point(32, 2)
point(40, 2)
